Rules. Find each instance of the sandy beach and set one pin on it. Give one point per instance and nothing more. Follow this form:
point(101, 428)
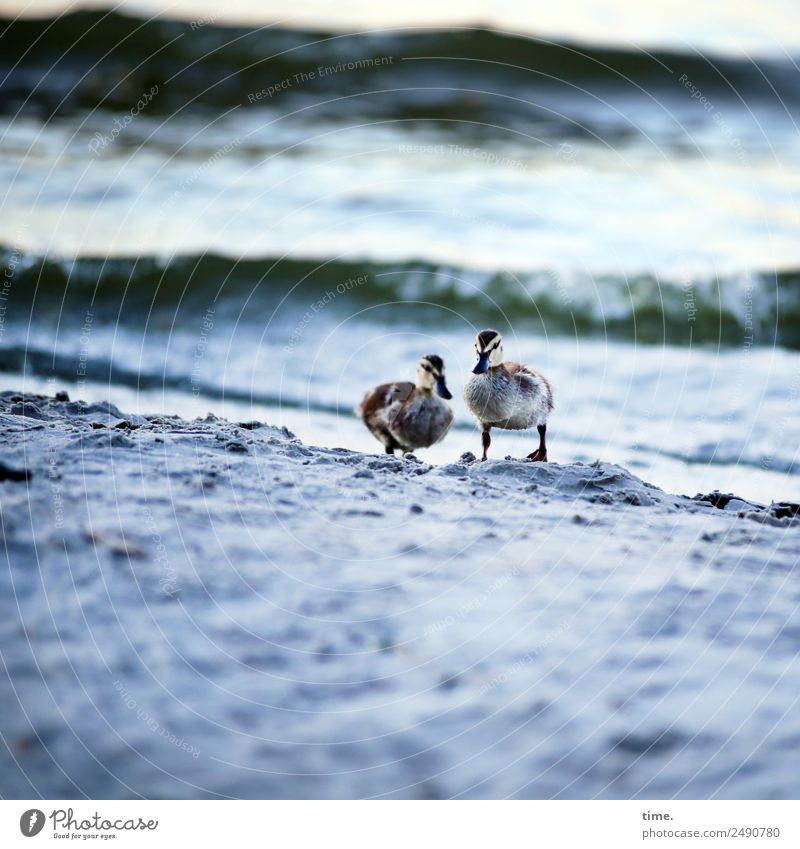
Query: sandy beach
point(214, 609)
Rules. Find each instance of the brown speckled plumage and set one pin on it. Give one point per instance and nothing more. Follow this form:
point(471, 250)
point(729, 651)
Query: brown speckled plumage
point(402, 415)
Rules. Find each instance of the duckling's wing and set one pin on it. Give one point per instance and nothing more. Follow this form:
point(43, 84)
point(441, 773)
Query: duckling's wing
point(400, 391)
point(378, 399)
point(531, 382)
point(373, 401)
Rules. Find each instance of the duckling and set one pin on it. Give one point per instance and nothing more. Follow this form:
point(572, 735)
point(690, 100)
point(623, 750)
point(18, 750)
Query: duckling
point(402, 415)
point(507, 395)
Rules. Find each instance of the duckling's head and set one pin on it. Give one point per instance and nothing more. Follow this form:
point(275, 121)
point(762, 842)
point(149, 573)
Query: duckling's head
point(489, 351)
point(430, 373)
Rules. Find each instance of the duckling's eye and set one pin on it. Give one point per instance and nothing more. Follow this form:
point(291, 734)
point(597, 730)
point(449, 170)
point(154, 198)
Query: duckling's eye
point(427, 368)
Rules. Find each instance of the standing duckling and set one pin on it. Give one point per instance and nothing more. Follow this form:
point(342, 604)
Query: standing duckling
point(402, 415)
point(511, 396)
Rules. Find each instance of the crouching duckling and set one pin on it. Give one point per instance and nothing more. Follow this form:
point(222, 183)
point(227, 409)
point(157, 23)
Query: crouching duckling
point(402, 415)
point(511, 396)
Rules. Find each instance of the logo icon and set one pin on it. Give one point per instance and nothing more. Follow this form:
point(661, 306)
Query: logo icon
point(31, 822)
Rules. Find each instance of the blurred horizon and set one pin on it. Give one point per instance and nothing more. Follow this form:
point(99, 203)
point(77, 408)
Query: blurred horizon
point(728, 27)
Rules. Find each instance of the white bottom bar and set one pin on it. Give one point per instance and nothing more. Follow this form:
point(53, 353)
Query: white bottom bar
point(399, 825)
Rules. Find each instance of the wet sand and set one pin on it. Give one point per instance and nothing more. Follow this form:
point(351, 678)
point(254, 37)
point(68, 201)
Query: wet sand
point(208, 609)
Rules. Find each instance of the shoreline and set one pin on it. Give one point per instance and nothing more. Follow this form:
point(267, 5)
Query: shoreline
point(316, 622)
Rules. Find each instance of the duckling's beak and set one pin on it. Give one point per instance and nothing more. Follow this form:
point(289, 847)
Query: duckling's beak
point(482, 366)
point(441, 387)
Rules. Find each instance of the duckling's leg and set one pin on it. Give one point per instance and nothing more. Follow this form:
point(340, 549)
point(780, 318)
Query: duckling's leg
point(487, 441)
point(389, 442)
point(540, 454)
point(391, 445)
